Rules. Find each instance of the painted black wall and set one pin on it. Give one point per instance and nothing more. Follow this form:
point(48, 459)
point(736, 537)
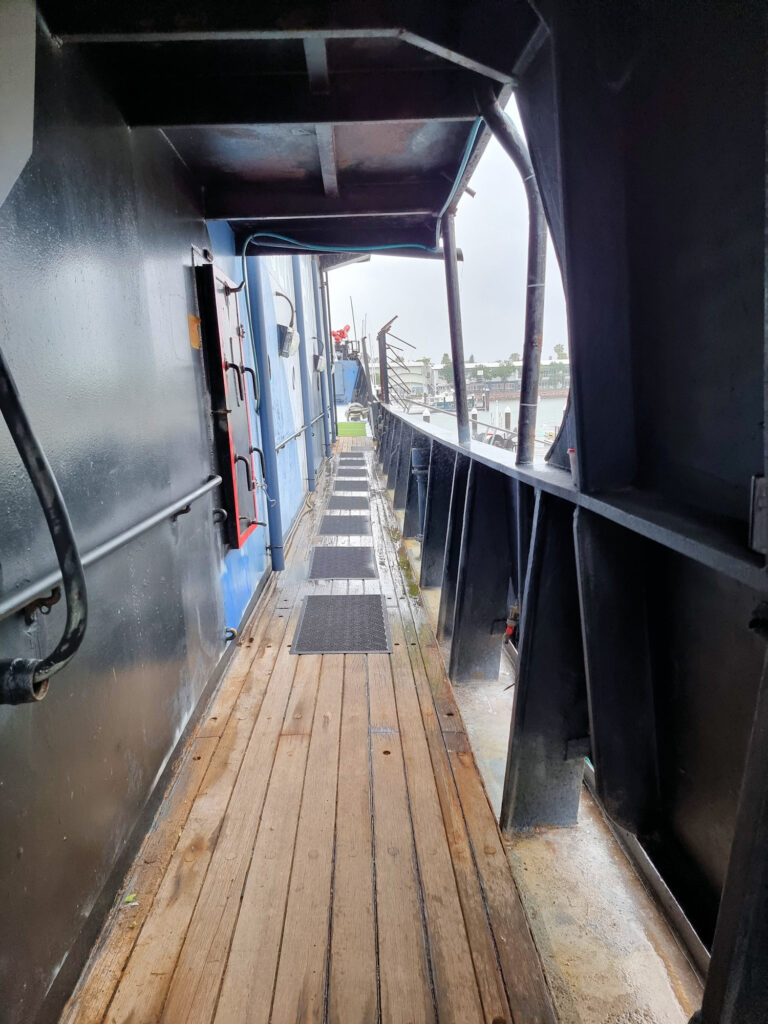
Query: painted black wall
point(646, 124)
point(95, 288)
point(694, 134)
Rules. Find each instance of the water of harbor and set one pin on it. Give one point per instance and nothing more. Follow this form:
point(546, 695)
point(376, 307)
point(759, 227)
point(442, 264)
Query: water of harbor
point(548, 418)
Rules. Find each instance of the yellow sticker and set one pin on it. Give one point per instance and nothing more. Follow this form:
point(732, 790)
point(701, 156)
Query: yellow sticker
point(195, 337)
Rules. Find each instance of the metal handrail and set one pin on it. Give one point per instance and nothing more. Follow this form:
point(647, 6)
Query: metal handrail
point(16, 602)
point(298, 432)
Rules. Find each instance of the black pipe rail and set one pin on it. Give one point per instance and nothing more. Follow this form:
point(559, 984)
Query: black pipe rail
point(513, 145)
point(19, 601)
point(454, 325)
point(25, 680)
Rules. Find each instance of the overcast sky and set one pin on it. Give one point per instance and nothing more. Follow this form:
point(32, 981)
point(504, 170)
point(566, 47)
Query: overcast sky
point(492, 231)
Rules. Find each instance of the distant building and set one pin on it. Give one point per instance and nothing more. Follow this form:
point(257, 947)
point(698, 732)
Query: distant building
point(416, 375)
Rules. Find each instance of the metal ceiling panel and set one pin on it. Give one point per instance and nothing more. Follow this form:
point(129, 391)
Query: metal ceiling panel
point(341, 124)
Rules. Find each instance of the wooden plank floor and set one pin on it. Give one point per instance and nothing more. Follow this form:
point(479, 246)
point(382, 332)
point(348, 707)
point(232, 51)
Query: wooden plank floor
point(326, 852)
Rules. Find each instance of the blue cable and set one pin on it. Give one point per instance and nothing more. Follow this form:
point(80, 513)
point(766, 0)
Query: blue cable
point(293, 243)
point(462, 167)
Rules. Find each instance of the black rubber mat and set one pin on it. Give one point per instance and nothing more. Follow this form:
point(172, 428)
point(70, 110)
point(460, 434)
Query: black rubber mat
point(351, 460)
point(350, 485)
point(354, 474)
point(345, 526)
point(330, 563)
point(348, 503)
point(340, 624)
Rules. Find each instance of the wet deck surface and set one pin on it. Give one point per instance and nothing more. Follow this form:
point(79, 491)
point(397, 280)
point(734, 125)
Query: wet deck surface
point(327, 851)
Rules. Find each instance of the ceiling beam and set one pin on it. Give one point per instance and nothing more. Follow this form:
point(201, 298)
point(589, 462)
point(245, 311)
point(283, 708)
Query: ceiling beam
point(326, 148)
point(178, 101)
point(480, 36)
point(257, 203)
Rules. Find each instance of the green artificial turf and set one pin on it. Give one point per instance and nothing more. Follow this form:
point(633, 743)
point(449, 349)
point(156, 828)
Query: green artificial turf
point(350, 429)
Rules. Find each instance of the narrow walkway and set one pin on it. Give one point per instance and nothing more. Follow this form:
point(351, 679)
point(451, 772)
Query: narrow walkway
point(327, 852)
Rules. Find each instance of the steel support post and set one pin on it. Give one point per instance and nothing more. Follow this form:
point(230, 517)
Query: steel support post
point(439, 484)
point(454, 324)
point(325, 347)
point(485, 566)
point(306, 405)
point(330, 355)
point(381, 338)
point(412, 523)
point(385, 441)
point(393, 429)
point(525, 499)
point(549, 732)
point(618, 669)
point(512, 143)
point(403, 470)
point(452, 548)
point(332, 394)
point(737, 983)
point(394, 455)
point(393, 426)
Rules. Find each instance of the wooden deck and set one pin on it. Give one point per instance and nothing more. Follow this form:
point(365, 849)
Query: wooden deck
point(326, 852)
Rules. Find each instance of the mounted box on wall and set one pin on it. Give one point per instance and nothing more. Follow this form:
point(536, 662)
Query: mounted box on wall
point(231, 382)
point(287, 340)
point(288, 337)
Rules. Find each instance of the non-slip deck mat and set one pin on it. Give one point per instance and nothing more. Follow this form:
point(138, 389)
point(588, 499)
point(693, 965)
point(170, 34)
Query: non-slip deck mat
point(345, 526)
point(348, 503)
point(340, 624)
point(352, 460)
point(331, 563)
point(350, 485)
point(354, 474)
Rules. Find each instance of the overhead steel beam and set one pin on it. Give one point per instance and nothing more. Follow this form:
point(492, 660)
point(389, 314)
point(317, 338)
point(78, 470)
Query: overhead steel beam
point(454, 32)
point(326, 148)
point(240, 202)
point(247, 35)
point(316, 56)
point(157, 100)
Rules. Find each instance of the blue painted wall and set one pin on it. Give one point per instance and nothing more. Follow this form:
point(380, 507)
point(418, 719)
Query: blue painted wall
point(243, 569)
point(285, 374)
